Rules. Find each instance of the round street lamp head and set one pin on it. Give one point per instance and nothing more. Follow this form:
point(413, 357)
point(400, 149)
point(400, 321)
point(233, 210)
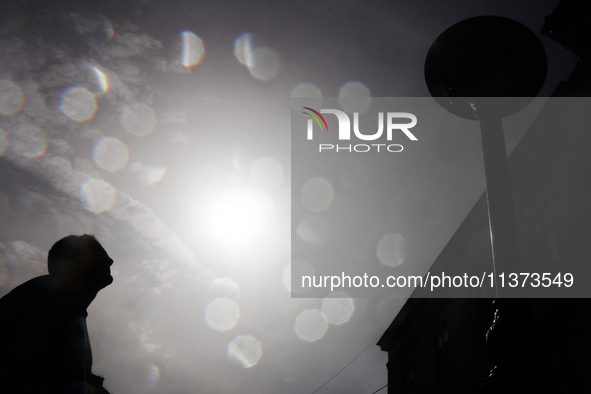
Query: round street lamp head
point(482, 57)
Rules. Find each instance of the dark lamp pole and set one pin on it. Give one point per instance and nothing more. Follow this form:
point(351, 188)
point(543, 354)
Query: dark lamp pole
point(486, 68)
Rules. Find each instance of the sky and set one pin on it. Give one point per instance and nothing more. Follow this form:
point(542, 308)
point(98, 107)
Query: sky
point(163, 127)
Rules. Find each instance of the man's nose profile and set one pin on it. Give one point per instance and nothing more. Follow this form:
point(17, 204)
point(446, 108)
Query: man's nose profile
point(44, 343)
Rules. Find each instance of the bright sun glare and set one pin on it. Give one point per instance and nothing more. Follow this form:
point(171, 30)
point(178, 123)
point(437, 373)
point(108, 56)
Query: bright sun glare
point(237, 218)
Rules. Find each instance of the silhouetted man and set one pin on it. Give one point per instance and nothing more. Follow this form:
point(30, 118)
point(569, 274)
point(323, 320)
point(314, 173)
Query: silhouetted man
point(44, 344)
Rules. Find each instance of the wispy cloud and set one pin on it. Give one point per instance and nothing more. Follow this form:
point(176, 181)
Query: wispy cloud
point(19, 261)
point(43, 69)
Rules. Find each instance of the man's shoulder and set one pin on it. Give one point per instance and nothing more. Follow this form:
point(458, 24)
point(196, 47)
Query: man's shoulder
point(32, 290)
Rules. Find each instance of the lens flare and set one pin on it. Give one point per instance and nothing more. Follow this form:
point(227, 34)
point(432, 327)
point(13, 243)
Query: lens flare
point(29, 141)
point(4, 142)
point(222, 314)
point(246, 350)
point(243, 49)
point(355, 97)
point(146, 377)
point(310, 92)
point(11, 97)
point(286, 277)
point(78, 104)
point(264, 64)
point(97, 195)
point(311, 325)
point(338, 308)
point(153, 378)
point(151, 174)
point(93, 79)
point(392, 250)
point(294, 273)
point(317, 194)
point(266, 174)
point(102, 80)
point(107, 27)
point(138, 119)
point(193, 49)
point(110, 153)
point(313, 229)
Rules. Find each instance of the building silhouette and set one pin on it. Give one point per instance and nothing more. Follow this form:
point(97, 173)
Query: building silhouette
point(438, 345)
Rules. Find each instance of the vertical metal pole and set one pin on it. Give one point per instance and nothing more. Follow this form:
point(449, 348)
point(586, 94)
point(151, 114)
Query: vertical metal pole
point(505, 347)
point(501, 215)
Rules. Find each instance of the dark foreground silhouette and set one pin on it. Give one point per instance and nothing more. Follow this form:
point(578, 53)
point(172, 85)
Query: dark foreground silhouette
point(44, 344)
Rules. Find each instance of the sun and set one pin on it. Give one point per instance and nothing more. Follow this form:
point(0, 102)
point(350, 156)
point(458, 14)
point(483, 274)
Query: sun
point(236, 219)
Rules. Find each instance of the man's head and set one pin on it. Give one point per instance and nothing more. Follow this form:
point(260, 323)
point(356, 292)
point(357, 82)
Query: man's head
point(80, 260)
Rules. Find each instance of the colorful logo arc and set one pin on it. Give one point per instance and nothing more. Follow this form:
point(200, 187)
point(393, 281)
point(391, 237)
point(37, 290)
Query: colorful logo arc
point(315, 118)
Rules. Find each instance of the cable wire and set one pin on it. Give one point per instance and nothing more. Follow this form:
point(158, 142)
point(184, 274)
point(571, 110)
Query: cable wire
point(380, 389)
point(349, 363)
